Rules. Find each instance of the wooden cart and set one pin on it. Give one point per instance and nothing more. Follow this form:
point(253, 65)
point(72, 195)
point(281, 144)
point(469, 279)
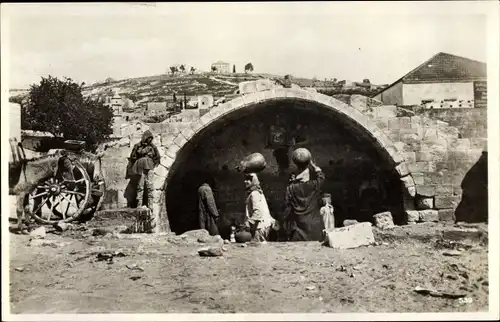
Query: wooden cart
point(49, 197)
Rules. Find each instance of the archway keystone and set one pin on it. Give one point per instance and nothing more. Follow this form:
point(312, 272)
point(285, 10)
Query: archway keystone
point(172, 157)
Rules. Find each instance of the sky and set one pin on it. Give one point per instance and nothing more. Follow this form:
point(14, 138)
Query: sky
point(91, 42)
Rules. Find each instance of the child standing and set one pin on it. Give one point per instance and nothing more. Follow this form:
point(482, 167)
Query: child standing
point(327, 211)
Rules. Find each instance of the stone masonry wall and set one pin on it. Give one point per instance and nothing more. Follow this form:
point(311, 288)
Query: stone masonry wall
point(470, 122)
point(436, 157)
point(431, 158)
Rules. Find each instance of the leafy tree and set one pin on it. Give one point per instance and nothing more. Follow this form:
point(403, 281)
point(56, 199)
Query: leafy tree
point(234, 69)
point(214, 69)
point(192, 70)
point(248, 68)
point(58, 107)
point(182, 68)
point(173, 70)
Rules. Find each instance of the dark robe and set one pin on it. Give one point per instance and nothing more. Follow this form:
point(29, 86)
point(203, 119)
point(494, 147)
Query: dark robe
point(303, 221)
point(64, 168)
point(144, 156)
point(207, 210)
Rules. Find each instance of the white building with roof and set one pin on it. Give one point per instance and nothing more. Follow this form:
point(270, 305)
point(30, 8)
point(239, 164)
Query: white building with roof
point(222, 67)
point(443, 81)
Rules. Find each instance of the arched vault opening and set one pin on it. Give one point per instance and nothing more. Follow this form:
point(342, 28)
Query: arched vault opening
point(365, 173)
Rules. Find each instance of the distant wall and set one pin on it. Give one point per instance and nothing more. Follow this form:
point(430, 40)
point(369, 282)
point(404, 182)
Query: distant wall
point(413, 94)
point(392, 95)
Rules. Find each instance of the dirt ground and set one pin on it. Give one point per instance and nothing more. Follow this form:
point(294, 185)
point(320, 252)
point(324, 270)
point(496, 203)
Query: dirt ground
point(65, 276)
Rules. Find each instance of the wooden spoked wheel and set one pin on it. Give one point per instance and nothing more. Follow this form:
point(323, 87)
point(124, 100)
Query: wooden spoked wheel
point(57, 199)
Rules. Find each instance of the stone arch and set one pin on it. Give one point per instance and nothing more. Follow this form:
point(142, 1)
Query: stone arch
point(179, 147)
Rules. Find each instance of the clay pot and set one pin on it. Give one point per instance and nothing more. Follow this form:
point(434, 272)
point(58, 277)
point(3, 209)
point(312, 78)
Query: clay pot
point(301, 156)
point(243, 236)
point(255, 162)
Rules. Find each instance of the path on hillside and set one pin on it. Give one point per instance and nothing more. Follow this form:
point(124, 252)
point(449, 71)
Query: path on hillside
point(222, 81)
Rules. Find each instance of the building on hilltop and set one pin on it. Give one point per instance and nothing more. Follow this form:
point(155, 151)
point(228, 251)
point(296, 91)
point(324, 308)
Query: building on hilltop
point(443, 81)
point(222, 67)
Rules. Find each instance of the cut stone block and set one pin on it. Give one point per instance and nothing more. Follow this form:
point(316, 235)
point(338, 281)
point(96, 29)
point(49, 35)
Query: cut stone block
point(447, 201)
point(386, 111)
point(404, 122)
point(393, 123)
point(426, 190)
point(419, 166)
point(402, 169)
point(349, 237)
point(444, 189)
point(447, 215)
point(410, 157)
point(384, 220)
point(428, 215)
point(424, 203)
point(418, 178)
point(408, 182)
point(412, 216)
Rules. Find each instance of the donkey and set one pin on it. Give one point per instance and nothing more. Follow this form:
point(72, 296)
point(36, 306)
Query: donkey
point(26, 174)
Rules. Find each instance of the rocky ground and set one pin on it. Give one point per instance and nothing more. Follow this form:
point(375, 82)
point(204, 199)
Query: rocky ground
point(73, 273)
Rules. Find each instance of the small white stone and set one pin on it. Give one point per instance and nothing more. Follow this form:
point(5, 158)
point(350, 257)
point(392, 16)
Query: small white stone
point(38, 233)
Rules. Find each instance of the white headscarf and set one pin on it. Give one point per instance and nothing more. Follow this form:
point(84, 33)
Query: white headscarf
point(255, 183)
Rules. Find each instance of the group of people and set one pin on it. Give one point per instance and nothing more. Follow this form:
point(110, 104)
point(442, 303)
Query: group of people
point(307, 211)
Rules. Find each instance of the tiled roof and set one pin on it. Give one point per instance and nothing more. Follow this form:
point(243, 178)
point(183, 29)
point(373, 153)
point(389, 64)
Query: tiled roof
point(448, 67)
point(443, 67)
point(220, 62)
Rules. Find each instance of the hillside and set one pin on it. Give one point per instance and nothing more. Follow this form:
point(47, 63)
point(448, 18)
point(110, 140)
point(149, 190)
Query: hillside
point(162, 87)
point(156, 88)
